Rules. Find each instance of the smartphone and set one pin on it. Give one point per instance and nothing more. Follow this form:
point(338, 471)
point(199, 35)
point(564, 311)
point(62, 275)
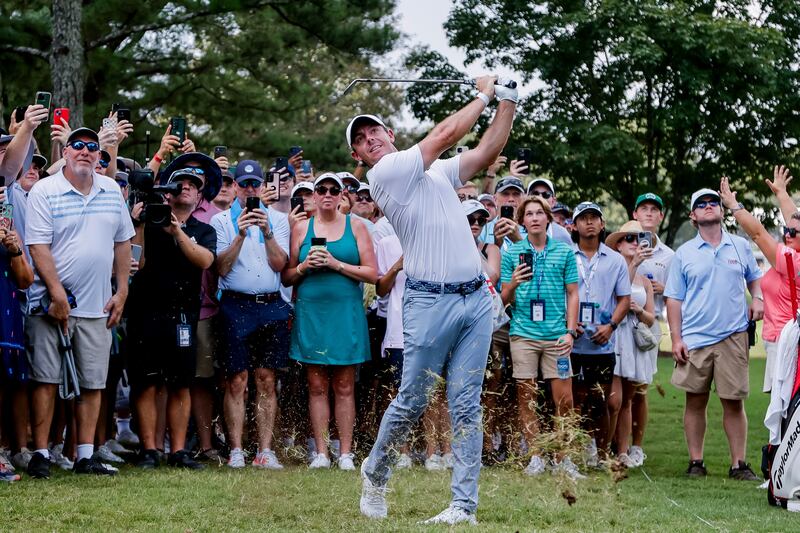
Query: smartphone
point(136, 252)
point(319, 243)
point(281, 162)
point(110, 123)
point(123, 113)
point(115, 106)
point(252, 203)
point(296, 202)
point(220, 151)
point(526, 259)
point(294, 150)
point(178, 128)
point(507, 211)
point(19, 113)
point(6, 216)
point(524, 154)
point(43, 99)
point(646, 239)
point(60, 114)
point(274, 182)
point(306, 166)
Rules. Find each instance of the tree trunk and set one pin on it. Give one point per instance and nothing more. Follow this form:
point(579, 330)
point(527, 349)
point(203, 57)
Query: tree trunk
point(67, 67)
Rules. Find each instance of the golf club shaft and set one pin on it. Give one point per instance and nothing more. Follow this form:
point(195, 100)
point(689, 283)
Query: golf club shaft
point(507, 83)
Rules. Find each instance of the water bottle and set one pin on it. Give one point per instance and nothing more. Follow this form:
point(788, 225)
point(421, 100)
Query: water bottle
point(562, 365)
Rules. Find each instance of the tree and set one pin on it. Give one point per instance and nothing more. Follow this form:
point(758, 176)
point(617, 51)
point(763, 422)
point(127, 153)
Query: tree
point(646, 95)
point(255, 75)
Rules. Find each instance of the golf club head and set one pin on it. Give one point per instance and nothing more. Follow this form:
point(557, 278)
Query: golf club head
point(350, 87)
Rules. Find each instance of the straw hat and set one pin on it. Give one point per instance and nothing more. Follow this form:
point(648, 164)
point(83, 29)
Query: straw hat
point(631, 226)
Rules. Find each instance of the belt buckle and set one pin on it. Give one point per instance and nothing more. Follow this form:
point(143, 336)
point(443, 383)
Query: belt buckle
point(261, 298)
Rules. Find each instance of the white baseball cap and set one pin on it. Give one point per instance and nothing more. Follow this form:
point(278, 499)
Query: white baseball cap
point(302, 186)
point(346, 176)
point(364, 187)
point(699, 194)
point(541, 180)
point(473, 206)
point(585, 207)
point(329, 176)
point(358, 119)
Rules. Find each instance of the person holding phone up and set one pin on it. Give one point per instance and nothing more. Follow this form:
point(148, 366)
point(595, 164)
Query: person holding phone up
point(331, 254)
point(540, 282)
point(253, 248)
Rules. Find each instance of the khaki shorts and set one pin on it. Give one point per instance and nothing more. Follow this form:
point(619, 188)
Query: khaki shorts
point(91, 347)
point(206, 347)
point(499, 352)
point(530, 355)
point(726, 363)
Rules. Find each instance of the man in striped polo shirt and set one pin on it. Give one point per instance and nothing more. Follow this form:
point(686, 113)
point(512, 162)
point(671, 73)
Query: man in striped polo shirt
point(77, 228)
point(540, 282)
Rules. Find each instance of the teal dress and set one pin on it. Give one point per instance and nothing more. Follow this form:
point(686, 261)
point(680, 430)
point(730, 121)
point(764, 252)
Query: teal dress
point(330, 326)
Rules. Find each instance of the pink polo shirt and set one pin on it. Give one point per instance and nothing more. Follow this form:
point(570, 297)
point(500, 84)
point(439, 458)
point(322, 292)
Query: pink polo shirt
point(777, 296)
point(208, 288)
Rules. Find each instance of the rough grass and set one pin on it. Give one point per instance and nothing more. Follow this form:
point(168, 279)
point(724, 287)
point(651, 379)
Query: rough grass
point(299, 500)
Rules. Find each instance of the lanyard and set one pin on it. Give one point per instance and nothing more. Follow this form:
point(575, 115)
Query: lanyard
point(538, 258)
point(582, 271)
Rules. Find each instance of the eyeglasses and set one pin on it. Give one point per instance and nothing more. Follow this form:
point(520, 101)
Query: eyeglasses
point(322, 190)
point(351, 189)
point(631, 237)
point(285, 178)
point(479, 220)
point(80, 145)
point(544, 194)
point(464, 197)
point(702, 204)
point(103, 163)
point(255, 184)
point(363, 198)
point(191, 170)
point(791, 232)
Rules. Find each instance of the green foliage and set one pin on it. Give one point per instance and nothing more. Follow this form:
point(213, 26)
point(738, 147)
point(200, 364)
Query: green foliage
point(637, 95)
point(257, 76)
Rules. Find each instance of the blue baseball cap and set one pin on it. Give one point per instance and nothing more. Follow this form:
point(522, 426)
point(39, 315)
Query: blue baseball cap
point(248, 170)
point(585, 207)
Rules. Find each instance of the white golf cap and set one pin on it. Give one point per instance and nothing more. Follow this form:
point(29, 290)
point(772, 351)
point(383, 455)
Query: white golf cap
point(485, 197)
point(586, 207)
point(303, 186)
point(544, 181)
point(364, 187)
point(329, 176)
point(359, 119)
point(699, 194)
point(473, 206)
point(346, 176)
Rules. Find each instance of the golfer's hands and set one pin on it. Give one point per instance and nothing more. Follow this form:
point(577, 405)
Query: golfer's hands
point(756, 310)
point(680, 352)
point(486, 85)
point(727, 196)
point(505, 93)
point(780, 180)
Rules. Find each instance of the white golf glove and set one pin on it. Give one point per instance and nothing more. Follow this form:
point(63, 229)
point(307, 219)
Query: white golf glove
point(502, 92)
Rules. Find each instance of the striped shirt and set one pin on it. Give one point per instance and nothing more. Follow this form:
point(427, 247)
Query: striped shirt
point(554, 268)
point(81, 231)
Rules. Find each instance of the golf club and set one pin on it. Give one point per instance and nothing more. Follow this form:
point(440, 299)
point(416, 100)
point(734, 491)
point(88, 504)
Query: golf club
point(69, 387)
point(511, 84)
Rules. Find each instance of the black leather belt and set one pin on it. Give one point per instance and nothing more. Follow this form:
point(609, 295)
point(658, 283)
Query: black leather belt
point(264, 298)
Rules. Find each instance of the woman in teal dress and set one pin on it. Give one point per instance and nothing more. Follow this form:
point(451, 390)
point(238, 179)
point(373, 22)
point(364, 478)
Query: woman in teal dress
point(329, 334)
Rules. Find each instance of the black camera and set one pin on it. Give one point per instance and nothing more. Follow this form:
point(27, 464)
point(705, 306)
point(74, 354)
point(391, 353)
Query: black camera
point(144, 189)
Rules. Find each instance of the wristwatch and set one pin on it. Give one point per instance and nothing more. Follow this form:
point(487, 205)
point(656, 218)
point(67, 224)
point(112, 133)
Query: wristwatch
point(573, 333)
point(613, 325)
point(738, 207)
point(19, 253)
point(269, 235)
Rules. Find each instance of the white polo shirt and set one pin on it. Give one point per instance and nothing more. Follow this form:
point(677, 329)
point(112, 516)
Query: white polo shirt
point(81, 231)
point(387, 252)
point(657, 269)
point(251, 273)
point(423, 208)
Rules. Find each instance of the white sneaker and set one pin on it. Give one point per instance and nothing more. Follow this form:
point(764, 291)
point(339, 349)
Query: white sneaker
point(535, 466)
point(373, 498)
point(626, 460)
point(637, 455)
point(568, 467)
point(452, 516)
point(268, 460)
point(128, 438)
point(448, 460)
point(764, 485)
point(117, 448)
point(346, 462)
point(107, 456)
point(434, 462)
point(320, 461)
point(58, 458)
point(236, 458)
point(21, 459)
point(404, 461)
point(592, 458)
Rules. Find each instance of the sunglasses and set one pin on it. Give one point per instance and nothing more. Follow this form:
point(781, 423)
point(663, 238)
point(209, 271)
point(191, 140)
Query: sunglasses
point(322, 190)
point(544, 194)
point(791, 232)
point(192, 170)
point(103, 163)
point(351, 189)
point(631, 237)
point(255, 184)
point(702, 204)
point(479, 220)
point(285, 178)
point(80, 145)
point(363, 198)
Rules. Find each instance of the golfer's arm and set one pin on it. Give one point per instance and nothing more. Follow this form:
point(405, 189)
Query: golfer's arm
point(674, 318)
point(46, 267)
point(492, 142)
point(449, 131)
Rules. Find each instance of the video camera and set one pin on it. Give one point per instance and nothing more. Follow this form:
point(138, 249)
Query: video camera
point(144, 189)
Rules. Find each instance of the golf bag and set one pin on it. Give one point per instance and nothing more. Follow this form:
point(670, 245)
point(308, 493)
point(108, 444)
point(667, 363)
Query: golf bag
point(781, 457)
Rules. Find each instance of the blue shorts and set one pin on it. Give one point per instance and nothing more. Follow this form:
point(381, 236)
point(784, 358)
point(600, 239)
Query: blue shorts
point(255, 335)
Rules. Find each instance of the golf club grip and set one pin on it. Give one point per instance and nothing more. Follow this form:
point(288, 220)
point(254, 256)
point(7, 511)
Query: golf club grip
point(511, 84)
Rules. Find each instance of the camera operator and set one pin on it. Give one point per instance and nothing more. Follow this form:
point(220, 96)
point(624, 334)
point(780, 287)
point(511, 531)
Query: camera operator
point(164, 308)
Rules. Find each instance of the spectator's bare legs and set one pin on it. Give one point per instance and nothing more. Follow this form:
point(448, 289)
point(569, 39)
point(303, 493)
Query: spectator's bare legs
point(234, 407)
point(161, 416)
point(266, 407)
point(44, 398)
point(734, 420)
point(202, 411)
point(319, 406)
point(528, 419)
point(614, 408)
point(147, 415)
point(344, 378)
point(179, 408)
point(694, 423)
point(621, 427)
point(87, 409)
point(20, 409)
point(639, 413)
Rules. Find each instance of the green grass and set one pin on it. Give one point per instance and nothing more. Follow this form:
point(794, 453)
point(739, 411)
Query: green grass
point(299, 500)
